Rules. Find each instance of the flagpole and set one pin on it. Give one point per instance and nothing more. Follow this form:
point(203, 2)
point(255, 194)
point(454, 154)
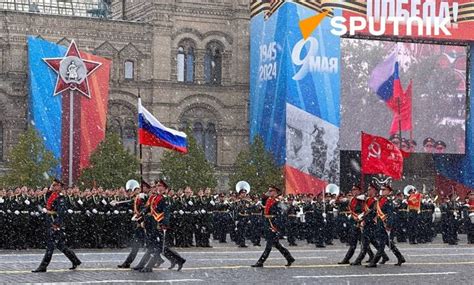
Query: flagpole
point(141, 153)
point(399, 121)
point(71, 134)
point(362, 176)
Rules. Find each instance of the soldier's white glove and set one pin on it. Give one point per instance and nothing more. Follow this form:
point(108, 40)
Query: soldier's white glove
point(32, 214)
point(213, 203)
point(116, 212)
point(9, 212)
point(141, 195)
point(94, 211)
point(70, 211)
point(203, 211)
point(190, 203)
point(332, 202)
point(226, 202)
point(37, 214)
point(27, 202)
point(360, 216)
point(44, 210)
point(104, 202)
point(404, 201)
point(181, 212)
point(324, 215)
point(113, 203)
point(196, 212)
point(130, 211)
point(2, 201)
point(16, 212)
point(80, 202)
point(108, 213)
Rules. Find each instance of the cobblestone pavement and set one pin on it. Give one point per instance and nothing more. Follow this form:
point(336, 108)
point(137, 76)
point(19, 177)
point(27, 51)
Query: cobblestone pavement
point(434, 263)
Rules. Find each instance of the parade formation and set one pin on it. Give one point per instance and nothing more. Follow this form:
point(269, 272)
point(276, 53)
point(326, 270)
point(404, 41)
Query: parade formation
point(158, 218)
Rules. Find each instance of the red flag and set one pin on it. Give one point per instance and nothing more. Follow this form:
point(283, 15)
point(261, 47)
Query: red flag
point(380, 156)
point(405, 107)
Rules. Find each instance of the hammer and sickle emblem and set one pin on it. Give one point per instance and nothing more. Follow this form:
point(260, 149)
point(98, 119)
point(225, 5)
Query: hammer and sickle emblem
point(374, 150)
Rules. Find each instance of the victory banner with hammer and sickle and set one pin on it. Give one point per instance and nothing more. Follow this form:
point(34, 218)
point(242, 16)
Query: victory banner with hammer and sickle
point(380, 156)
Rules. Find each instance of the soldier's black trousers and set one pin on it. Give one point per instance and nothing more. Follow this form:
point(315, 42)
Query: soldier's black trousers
point(413, 226)
point(273, 240)
point(56, 239)
point(137, 242)
point(384, 240)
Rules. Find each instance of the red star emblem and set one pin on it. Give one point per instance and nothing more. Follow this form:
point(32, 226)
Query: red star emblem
point(72, 71)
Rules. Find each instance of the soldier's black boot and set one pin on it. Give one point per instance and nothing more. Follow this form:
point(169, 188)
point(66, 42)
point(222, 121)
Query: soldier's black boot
point(398, 255)
point(72, 257)
point(146, 257)
point(43, 265)
point(151, 262)
point(359, 258)
point(348, 256)
point(384, 258)
point(375, 260)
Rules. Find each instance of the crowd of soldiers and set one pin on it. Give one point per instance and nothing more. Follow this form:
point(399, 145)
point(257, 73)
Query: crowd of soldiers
point(100, 218)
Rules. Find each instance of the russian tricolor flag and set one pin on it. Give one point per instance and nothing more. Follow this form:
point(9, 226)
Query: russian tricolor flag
point(385, 82)
point(151, 132)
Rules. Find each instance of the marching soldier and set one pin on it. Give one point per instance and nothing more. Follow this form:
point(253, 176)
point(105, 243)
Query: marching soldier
point(138, 239)
point(156, 225)
point(356, 208)
point(368, 228)
point(385, 219)
point(56, 210)
point(272, 228)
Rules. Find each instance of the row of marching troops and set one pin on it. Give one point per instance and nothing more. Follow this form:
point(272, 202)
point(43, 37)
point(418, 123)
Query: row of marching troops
point(102, 218)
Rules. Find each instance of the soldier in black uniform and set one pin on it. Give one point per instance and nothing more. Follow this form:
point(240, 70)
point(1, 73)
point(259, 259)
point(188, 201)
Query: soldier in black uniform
point(450, 209)
point(56, 210)
point(222, 218)
point(138, 239)
point(292, 221)
point(385, 219)
point(401, 217)
point(189, 217)
point(309, 221)
point(272, 227)
point(156, 221)
point(320, 221)
point(242, 213)
point(255, 222)
point(356, 208)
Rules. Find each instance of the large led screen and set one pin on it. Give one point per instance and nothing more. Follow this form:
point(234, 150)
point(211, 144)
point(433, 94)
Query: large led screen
point(418, 90)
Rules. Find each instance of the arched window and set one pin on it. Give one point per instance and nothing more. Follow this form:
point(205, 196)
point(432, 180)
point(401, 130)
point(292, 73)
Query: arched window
point(129, 138)
point(198, 132)
point(114, 127)
point(1, 141)
point(185, 62)
point(213, 63)
point(122, 122)
point(128, 69)
point(210, 143)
